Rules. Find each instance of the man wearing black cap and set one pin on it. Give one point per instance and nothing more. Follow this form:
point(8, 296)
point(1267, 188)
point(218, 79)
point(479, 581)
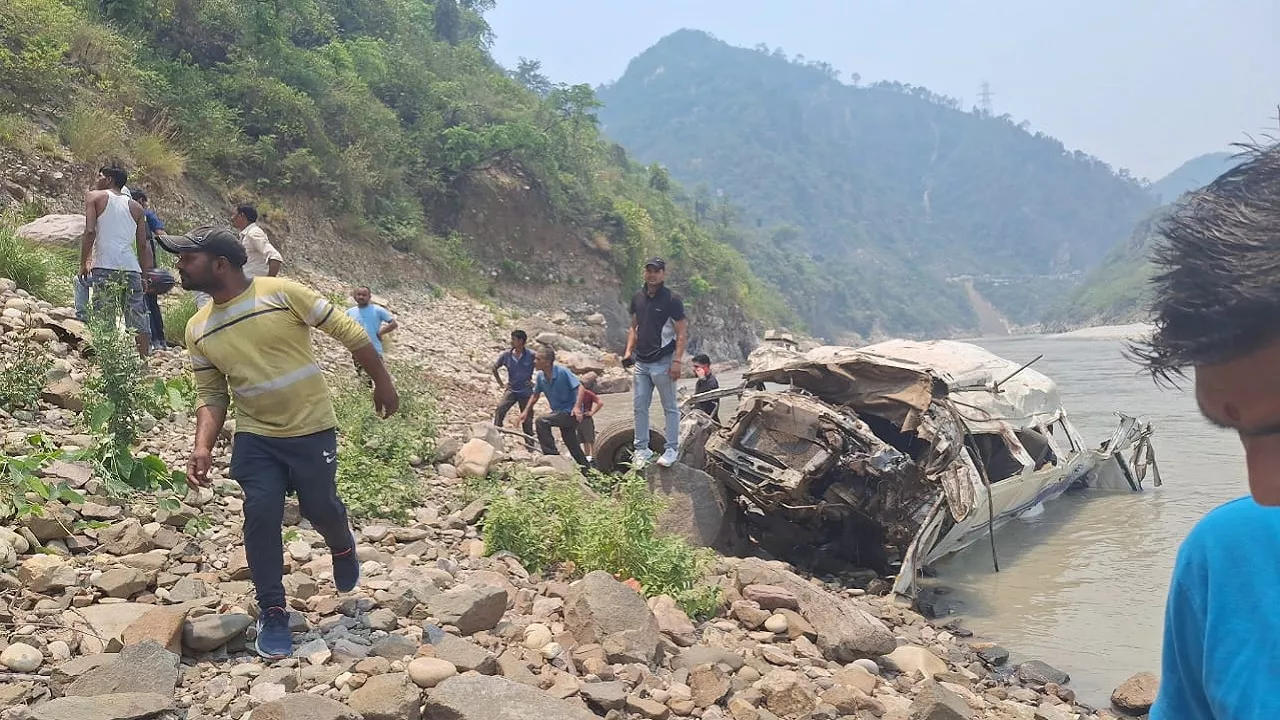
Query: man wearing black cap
point(253, 343)
point(655, 344)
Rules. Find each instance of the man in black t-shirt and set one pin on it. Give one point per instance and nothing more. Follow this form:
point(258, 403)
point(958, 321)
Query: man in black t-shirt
point(655, 344)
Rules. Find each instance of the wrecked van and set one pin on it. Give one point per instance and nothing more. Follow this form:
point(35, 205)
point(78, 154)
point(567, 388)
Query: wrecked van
point(895, 455)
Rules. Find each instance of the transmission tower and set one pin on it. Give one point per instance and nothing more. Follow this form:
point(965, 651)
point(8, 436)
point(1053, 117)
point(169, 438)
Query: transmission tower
point(985, 95)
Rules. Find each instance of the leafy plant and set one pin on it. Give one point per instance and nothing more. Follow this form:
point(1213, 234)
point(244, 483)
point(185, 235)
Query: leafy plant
point(552, 520)
point(92, 133)
point(375, 475)
point(23, 375)
point(20, 480)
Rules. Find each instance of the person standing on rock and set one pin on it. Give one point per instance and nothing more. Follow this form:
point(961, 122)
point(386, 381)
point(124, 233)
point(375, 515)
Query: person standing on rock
point(253, 343)
point(655, 345)
point(376, 320)
point(564, 394)
point(1217, 313)
point(518, 361)
point(115, 254)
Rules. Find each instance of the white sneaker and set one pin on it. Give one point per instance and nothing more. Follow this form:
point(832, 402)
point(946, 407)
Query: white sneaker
point(668, 458)
point(641, 458)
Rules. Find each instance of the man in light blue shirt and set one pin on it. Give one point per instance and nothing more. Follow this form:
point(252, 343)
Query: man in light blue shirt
point(375, 319)
point(1217, 312)
point(564, 394)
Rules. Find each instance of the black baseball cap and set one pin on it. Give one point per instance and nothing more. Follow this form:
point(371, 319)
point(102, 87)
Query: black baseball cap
point(217, 241)
point(656, 262)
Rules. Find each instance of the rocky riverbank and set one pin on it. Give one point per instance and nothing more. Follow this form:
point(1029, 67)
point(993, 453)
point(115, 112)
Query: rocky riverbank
point(110, 611)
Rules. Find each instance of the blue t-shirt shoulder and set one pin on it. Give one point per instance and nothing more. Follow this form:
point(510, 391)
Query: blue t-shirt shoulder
point(519, 371)
point(1221, 658)
point(371, 317)
point(561, 390)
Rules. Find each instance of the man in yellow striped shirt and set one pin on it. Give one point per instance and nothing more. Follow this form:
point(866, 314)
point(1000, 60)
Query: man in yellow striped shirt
point(253, 343)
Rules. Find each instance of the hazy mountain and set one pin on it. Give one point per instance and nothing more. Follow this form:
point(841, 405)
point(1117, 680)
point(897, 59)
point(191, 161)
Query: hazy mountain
point(1194, 173)
point(893, 196)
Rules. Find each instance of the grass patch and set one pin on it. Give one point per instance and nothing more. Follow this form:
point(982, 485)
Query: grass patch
point(23, 375)
point(554, 520)
point(375, 474)
point(93, 134)
point(176, 313)
point(156, 158)
point(42, 272)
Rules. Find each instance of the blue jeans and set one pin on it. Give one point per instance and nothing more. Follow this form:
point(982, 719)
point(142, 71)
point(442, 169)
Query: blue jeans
point(647, 377)
point(82, 295)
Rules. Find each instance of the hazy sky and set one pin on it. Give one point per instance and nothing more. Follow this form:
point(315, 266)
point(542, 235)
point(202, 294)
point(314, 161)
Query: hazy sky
point(1142, 84)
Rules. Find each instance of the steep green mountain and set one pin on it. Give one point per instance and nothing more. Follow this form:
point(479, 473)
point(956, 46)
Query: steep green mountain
point(1114, 292)
point(1194, 173)
point(890, 196)
point(383, 118)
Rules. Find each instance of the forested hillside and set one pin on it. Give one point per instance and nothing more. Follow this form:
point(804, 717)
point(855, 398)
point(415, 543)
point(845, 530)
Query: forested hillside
point(377, 111)
point(1115, 291)
point(884, 199)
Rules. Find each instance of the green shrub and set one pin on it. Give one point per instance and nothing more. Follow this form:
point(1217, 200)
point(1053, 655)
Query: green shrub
point(156, 158)
point(93, 134)
point(553, 520)
point(375, 475)
point(23, 375)
point(41, 272)
point(176, 314)
point(22, 490)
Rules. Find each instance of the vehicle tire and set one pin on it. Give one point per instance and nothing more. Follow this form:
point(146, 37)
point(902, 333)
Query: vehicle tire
point(615, 442)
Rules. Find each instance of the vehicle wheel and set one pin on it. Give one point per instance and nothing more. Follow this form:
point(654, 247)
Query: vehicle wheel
point(616, 441)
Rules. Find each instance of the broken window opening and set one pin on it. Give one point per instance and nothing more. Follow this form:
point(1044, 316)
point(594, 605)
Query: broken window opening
point(996, 456)
point(1037, 446)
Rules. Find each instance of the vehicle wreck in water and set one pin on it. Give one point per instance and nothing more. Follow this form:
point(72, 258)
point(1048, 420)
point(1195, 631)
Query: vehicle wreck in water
point(892, 456)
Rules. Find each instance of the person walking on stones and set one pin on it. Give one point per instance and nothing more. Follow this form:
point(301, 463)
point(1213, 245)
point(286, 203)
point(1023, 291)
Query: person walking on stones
point(253, 343)
point(376, 320)
point(115, 254)
point(564, 394)
point(519, 362)
point(655, 345)
point(1216, 307)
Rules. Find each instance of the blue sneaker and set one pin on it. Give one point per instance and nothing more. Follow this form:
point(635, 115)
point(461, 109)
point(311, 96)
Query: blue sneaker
point(274, 642)
point(346, 568)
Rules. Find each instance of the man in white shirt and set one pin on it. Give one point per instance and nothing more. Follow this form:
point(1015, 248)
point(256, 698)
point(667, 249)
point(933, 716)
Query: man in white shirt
point(115, 254)
point(264, 259)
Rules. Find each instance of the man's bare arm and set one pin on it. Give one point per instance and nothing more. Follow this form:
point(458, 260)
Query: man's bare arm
point(91, 212)
point(631, 336)
point(682, 337)
point(273, 267)
point(145, 259)
point(209, 422)
point(385, 398)
point(390, 326)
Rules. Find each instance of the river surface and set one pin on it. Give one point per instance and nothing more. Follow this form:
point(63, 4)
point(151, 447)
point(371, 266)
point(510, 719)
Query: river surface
point(1082, 586)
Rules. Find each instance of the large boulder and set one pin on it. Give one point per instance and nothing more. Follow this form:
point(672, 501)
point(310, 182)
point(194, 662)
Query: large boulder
point(387, 697)
point(845, 631)
point(54, 230)
point(210, 632)
point(581, 363)
point(122, 706)
point(46, 574)
point(143, 668)
point(695, 503)
point(476, 458)
point(470, 608)
point(602, 610)
point(477, 697)
point(304, 706)
point(1136, 695)
point(934, 702)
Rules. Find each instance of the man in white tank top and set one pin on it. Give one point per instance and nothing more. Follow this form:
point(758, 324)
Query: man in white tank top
point(115, 254)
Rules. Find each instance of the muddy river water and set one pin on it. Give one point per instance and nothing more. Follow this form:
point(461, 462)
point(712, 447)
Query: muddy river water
point(1082, 585)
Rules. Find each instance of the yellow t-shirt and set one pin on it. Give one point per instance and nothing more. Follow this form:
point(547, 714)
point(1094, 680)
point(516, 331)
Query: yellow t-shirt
point(258, 344)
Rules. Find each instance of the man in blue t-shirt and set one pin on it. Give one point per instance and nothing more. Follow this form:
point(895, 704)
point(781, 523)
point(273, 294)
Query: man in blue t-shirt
point(519, 385)
point(1216, 312)
point(564, 394)
point(155, 226)
point(376, 320)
